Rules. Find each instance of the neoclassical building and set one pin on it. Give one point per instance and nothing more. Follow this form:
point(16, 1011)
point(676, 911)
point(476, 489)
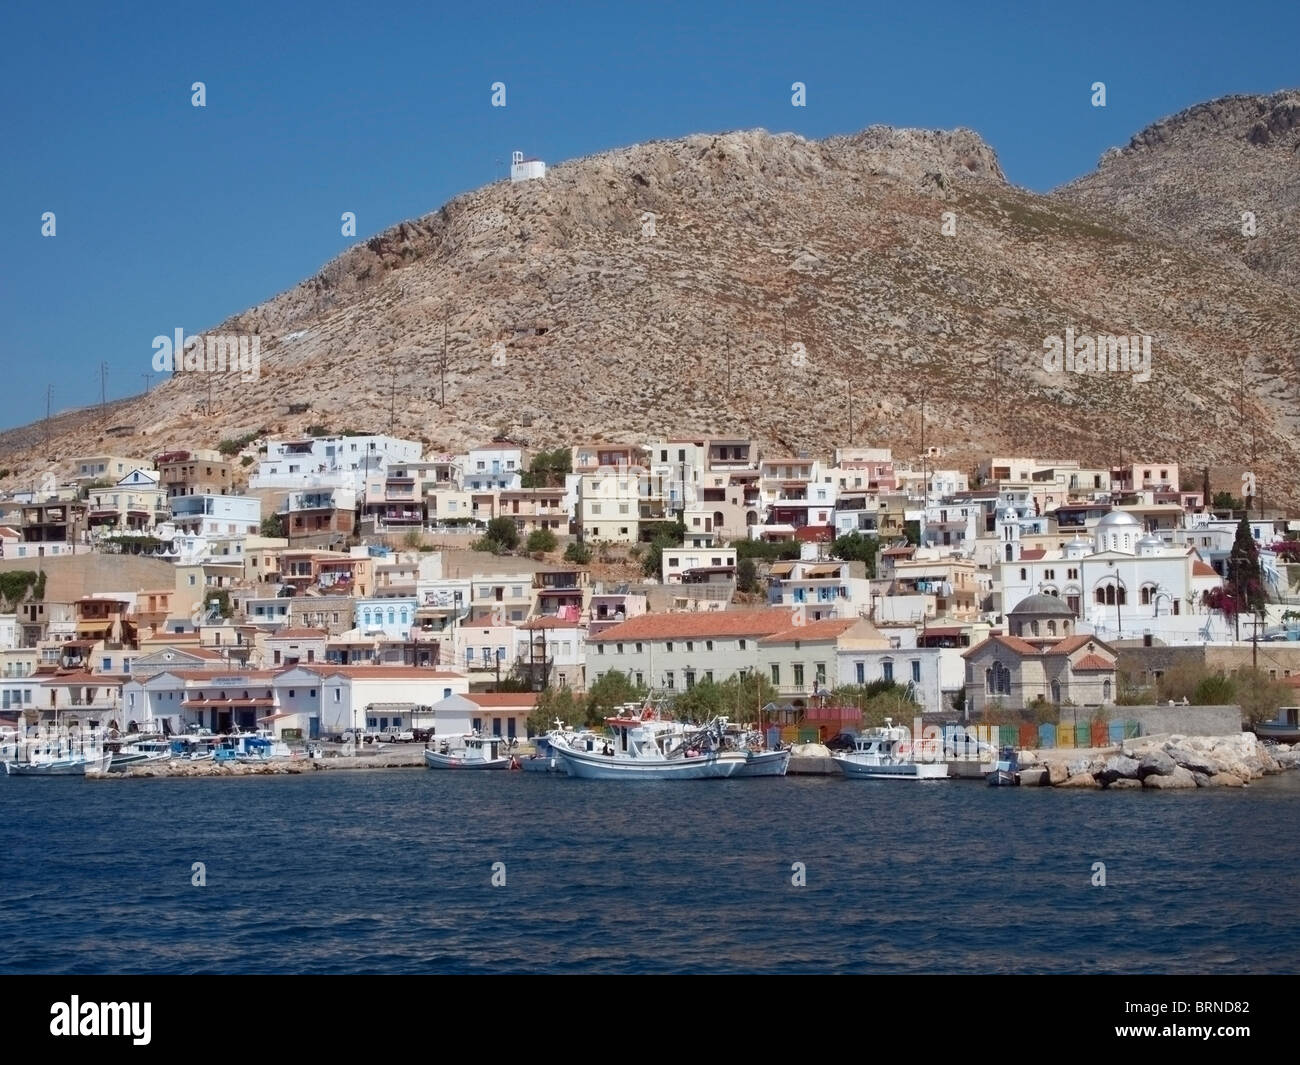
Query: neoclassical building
point(1039, 655)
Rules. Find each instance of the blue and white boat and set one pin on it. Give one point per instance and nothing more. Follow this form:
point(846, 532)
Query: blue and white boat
point(649, 748)
point(889, 754)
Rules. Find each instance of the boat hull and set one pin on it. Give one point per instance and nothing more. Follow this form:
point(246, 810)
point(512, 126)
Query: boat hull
point(1003, 778)
point(764, 764)
point(59, 767)
point(856, 770)
point(434, 760)
point(592, 766)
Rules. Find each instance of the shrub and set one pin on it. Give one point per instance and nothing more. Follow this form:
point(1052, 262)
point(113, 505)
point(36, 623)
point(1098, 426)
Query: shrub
point(579, 554)
point(541, 540)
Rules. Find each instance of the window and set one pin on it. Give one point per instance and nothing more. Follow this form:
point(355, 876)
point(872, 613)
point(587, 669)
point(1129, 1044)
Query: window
point(670, 646)
point(600, 648)
point(776, 675)
point(668, 679)
point(708, 645)
point(106, 665)
point(638, 648)
point(887, 668)
point(640, 680)
point(742, 645)
point(798, 676)
point(618, 647)
point(916, 671)
point(690, 646)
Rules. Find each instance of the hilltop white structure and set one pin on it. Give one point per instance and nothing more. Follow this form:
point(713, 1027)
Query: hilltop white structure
point(522, 169)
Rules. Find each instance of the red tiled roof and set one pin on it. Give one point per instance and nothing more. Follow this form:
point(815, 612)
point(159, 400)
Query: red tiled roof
point(813, 534)
point(1202, 569)
point(1094, 662)
point(1033, 554)
point(813, 631)
point(698, 623)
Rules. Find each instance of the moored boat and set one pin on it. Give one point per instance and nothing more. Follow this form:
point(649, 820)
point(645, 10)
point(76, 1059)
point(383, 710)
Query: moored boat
point(140, 752)
point(649, 748)
point(60, 764)
point(1006, 771)
point(468, 752)
point(889, 754)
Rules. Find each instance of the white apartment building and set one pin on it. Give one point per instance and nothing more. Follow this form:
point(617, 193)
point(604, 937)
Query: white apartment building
point(330, 461)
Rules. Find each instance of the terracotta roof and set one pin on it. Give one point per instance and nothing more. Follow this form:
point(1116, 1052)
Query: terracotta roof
point(826, 629)
point(1072, 643)
point(1033, 554)
point(1094, 662)
point(698, 624)
point(298, 634)
point(502, 698)
point(1012, 643)
point(1203, 569)
point(549, 623)
point(812, 534)
point(898, 551)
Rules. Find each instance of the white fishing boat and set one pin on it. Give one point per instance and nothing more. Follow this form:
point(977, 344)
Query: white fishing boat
point(889, 754)
point(649, 748)
point(140, 752)
point(58, 763)
point(469, 752)
point(543, 758)
point(759, 762)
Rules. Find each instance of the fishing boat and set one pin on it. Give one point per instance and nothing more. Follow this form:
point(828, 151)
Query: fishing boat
point(1006, 771)
point(57, 763)
point(251, 747)
point(140, 752)
point(759, 762)
point(469, 752)
point(543, 758)
point(889, 754)
point(650, 748)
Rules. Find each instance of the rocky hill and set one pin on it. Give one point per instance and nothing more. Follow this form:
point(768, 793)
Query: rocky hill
point(765, 284)
point(1198, 175)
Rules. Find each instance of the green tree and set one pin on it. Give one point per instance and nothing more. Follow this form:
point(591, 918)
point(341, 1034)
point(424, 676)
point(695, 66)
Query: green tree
point(610, 691)
point(579, 554)
point(556, 702)
point(745, 695)
point(541, 540)
point(746, 575)
point(1259, 695)
point(502, 535)
point(273, 526)
point(699, 703)
point(854, 547)
point(912, 530)
point(1245, 577)
point(1227, 501)
point(652, 562)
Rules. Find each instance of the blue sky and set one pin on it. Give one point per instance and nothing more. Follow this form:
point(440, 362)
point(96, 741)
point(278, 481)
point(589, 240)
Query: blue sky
point(170, 215)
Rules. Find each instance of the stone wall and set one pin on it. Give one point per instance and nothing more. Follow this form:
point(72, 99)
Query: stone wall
point(1183, 720)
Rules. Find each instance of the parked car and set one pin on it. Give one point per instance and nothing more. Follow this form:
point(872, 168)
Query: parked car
point(360, 736)
point(397, 734)
point(843, 742)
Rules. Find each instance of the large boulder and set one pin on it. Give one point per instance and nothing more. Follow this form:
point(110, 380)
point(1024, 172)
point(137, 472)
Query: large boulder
point(1226, 780)
point(1196, 761)
point(1156, 763)
point(1116, 768)
point(1178, 777)
point(1057, 773)
point(1034, 776)
point(1122, 783)
point(1288, 759)
point(1079, 780)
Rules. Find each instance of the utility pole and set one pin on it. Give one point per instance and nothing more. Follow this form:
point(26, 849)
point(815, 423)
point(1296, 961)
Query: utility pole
point(103, 389)
point(392, 401)
point(49, 396)
point(148, 380)
point(443, 401)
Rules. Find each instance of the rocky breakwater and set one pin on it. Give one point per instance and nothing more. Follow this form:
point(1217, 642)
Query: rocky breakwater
point(1168, 762)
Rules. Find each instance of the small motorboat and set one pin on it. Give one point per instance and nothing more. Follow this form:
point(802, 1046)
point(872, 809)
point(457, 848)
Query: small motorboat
point(469, 752)
point(889, 754)
point(1006, 771)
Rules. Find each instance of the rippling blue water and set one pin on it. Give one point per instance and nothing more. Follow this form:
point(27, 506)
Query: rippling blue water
point(390, 872)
